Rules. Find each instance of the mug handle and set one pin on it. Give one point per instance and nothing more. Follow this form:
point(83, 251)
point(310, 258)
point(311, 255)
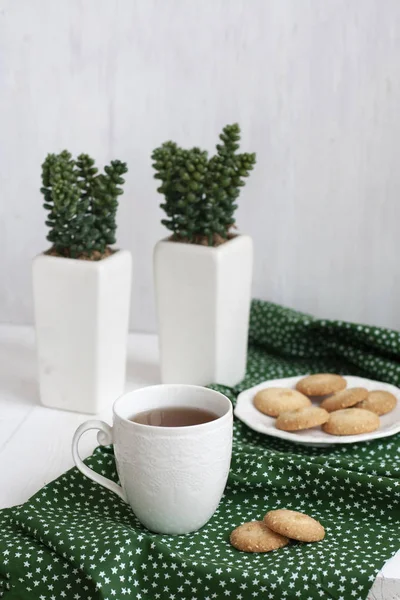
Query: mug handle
point(104, 437)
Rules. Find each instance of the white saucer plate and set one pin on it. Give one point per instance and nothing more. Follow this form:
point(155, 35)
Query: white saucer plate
point(253, 418)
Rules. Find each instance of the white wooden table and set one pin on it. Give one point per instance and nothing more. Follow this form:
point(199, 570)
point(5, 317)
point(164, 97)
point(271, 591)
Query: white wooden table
point(35, 441)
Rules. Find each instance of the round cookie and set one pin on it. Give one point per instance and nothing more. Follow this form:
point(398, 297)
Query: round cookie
point(344, 399)
point(321, 384)
point(255, 536)
point(351, 421)
point(294, 525)
point(302, 418)
point(274, 400)
point(379, 402)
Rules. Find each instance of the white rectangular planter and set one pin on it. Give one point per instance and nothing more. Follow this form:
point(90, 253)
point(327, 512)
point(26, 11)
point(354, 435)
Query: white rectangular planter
point(203, 303)
point(81, 317)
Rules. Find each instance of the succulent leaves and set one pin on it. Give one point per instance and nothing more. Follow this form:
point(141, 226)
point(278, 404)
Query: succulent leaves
point(200, 192)
point(81, 203)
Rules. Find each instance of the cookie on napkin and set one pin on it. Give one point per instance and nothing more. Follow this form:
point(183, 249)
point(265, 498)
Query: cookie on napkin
point(294, 525)
point(256, 536)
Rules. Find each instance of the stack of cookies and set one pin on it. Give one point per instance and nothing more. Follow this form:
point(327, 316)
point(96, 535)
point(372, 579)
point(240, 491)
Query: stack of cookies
point(276, 530)
point(338, 409)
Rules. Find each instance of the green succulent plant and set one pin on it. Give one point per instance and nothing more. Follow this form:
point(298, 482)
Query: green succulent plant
point(201, 192)
point(81, 203)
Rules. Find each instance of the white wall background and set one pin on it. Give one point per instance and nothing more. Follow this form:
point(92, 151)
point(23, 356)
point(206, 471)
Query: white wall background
point(315, 85)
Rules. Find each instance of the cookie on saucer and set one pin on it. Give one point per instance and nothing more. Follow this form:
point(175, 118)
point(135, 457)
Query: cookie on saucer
point(274, 400)
point(351, 421)
point(321, 384)
point(255, 536)
point(344, 399)
point(379, 402)
point(294, 525)
point(302, 418)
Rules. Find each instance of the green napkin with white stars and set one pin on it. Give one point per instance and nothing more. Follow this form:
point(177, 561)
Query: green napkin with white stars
point(78, 541)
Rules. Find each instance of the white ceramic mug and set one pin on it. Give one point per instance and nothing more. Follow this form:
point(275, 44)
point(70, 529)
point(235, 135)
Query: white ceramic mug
point(173, 477)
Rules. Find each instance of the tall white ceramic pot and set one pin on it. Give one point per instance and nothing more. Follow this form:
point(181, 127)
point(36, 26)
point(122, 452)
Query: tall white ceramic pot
point(203, 303)
point(81, 318)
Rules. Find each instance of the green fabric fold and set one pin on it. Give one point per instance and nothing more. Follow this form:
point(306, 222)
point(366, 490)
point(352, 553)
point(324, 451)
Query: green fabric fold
point(76, 540)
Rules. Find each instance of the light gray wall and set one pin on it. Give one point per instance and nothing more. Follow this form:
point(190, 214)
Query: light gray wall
point(314, 84)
